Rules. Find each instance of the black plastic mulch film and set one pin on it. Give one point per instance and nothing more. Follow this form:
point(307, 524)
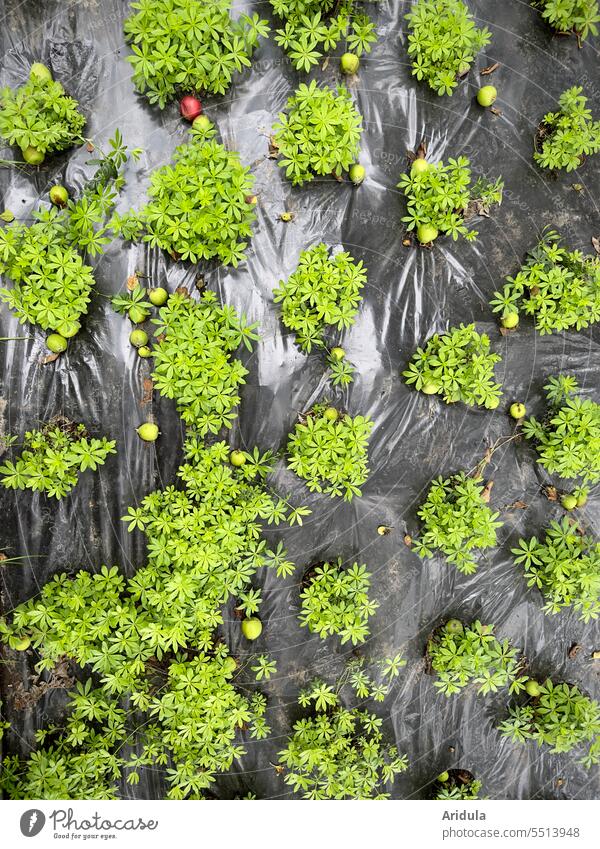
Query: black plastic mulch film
point(411, 293)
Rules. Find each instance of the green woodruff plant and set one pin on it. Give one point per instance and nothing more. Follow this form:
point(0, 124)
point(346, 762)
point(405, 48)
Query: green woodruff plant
point(559, 288)
point(182, 46)
point(559, 716)
point(577, 16)
point(566, 137)
point(323, 293)
point(151, 639)
point(565, 567)
point(440, 198)
point(336, 601)
point(567, 439)
point(45, 260)
point(461, 655)
point(443, 41)
point(329, 451)
point(200, 207)
point(39, 117)
point(193, 363)
point(456, 785)
point(339, 752)
point(320, 134)
point(52, 458)
point(314, 27)
point(459, 366)
point(457, 521)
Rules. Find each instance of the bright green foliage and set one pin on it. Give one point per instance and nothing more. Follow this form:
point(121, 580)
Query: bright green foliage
point(319, 135)
point(567, 136)
point(331, 456)
point(338, 752)
point(150, 640)
point(39, 114)
point(443, 197)
point(314, 27)
point(51, 283)
point(568, 438)
point(323, 292)
point(457, 365)
point(560, 288)
point(457, 788)
point(184, 46)
point(578, 16)
point(565, 567)
point(474, 656)
point(199, 206)
point(562, 718)
point(443, 41)
point(53, 457)
point(193, 362)
point(336, 601)
point(457, 521)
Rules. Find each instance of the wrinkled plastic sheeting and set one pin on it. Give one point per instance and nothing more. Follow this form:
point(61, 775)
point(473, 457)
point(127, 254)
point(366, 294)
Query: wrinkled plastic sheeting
point(411, 293)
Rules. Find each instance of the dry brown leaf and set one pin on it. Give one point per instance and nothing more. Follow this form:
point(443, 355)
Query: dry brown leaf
point(574, 650)
point(551, 493)
point(486, 492)
point(490, 69)
point(596, 244)
point(273, 148)
point(518, 505)
point(50, 358)
point(89, 147)
point(495, 110)
point(132, 282)
point(148, 389)
point(407, 540)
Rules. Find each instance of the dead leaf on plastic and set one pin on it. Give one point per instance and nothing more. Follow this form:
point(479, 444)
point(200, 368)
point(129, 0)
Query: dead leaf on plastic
point(490, 69)
point(596, 244)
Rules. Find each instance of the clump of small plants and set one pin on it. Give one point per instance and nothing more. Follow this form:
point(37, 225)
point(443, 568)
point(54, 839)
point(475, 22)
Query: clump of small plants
point(319, 136)
point(336, 601)
point(329, 449)
point(566, 137)
point(440, 198)
point(457, 520)
point(323, 293)
point(193, 362)
point(567, 439)
point(443, 40)
point(565, 567)
point(559, 716)
point(52, 458)
point(456, 784)
point(314, 27)
point(45, 260)
point(338, 752)
point(461, 655)
point(201, 207)
point(39, 117)
point(577, 16)
point(459, 366)
point(182, 46)
point(559, 288)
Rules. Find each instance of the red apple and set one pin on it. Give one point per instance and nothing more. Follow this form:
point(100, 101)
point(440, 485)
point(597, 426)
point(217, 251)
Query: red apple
point(190, 107)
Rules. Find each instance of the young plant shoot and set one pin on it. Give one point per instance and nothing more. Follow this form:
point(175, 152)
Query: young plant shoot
point(329, 449)
point(459, 366)
point(319, 136)
point(566, 137)
point(456, 520)
point(182, 46)
point(443, 41)
point(559, 716)
point(39, 117)
point(565, 567)
point(441, 198)
point(567, 439)
point(458, 784)
point(463, 655)
point(198, 206)
point(558, 288)
point(313, 27)
point(52, 458)
point(336, 601)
